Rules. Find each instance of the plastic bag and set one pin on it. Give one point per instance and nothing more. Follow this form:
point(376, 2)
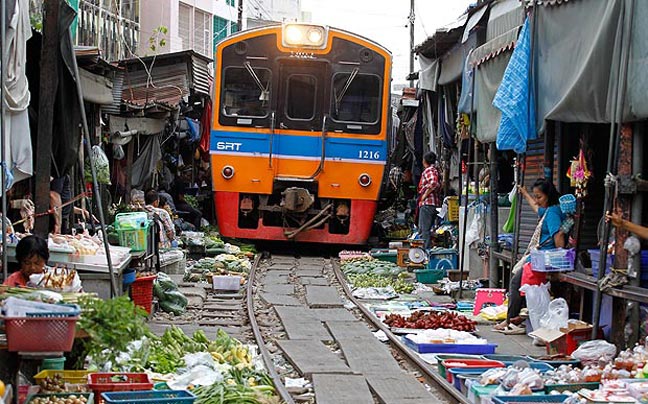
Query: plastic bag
point(509, 226)
point(537, 301)
point(557, 316)
point(102, 166)
point(591, 352)
point(476, 228)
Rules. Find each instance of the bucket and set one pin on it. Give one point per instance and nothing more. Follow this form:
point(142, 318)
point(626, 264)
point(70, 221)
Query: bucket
point(128, 276)
point(53, 363)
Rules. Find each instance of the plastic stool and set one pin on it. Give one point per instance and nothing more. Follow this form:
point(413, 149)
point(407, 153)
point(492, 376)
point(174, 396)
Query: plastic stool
point(487, 296)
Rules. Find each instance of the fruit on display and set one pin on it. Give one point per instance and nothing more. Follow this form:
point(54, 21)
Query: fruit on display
point(374, 281)
point(432, 320)
point(53, 384)
point(64, 399)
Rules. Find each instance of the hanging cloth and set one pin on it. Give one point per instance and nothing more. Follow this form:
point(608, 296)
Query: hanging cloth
point(17, 159)
point(515, 98)
point(205, 126)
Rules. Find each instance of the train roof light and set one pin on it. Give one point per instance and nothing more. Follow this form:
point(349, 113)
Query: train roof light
point(304, 36)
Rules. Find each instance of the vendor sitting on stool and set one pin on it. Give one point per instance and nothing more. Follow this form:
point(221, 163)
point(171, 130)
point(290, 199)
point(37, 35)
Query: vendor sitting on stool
point(32, 254)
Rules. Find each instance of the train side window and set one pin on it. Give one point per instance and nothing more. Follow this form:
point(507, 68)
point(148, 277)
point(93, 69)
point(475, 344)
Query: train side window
point(243, 95)
point(356, 98)
point(301, 97)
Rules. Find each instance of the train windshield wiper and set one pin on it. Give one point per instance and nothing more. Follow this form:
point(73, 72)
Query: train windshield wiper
point(338, 97)
point(265, 92)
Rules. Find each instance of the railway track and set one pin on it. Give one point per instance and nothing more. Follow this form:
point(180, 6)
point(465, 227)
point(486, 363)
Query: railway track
point(300, 312)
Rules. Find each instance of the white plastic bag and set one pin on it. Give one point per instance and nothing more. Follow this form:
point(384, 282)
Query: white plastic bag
point(591, 352)
point(537, 301)
point(475, 229)
point(557, 316)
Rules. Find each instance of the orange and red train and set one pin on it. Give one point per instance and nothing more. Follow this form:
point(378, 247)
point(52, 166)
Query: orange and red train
point(299, 134)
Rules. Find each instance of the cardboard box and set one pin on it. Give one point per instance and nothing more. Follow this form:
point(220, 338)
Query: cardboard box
point(565, 340)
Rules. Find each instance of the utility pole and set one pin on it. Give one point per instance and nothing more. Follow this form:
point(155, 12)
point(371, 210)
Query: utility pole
point(412, 18)
point(240, 15)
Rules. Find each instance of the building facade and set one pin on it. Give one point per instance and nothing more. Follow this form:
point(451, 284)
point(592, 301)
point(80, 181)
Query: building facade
point(175, 25)
point(264, 12)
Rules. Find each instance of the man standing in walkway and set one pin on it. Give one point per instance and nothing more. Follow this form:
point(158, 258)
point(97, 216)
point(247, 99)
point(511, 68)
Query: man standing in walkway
point(429, 197)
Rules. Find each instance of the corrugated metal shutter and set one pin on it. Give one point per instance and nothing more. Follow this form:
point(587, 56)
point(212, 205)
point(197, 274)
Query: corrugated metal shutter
point(118, 86)
point(533, 171)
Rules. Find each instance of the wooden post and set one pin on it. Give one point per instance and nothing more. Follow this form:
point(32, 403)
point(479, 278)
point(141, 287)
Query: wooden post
point(623, 206)
point(48, 86)
point(493, 274)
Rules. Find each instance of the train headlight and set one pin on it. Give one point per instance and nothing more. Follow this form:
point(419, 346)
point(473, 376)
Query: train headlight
point(227, 172)
point(364, 179)
point(304, 36)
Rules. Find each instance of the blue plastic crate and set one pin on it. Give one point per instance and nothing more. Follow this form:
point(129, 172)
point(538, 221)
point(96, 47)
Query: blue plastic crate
point(508, 360)
point(149, 396)
point(442, 259)
point(75, 313)
point(456, 372)
point(477, 349)
point(558, 398)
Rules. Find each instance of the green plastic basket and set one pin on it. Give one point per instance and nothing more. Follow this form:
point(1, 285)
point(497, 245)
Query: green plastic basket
point(573, 387)
point(429, 276)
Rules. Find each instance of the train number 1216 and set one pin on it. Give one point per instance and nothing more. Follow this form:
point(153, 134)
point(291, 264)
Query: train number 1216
point(368, 154)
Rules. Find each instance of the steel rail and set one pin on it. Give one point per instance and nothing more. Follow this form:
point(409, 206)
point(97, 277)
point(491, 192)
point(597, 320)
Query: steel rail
point(445, 387)
point(267, 359)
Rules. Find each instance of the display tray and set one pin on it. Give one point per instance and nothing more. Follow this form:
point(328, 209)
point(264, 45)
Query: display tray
point(475, 349)
point(592, 397)
point(406, 331)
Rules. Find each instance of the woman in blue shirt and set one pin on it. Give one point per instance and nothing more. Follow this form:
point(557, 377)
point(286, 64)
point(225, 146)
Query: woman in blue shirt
point(544, 201)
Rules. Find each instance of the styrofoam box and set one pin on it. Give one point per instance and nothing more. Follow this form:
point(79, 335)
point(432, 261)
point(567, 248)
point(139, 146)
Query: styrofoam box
point(224, 282)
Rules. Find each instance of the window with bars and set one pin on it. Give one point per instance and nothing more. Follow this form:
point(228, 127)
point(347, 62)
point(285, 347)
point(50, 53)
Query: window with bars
point(220, 29)
point(231, 3)
point(202, 33)
point(184, 25)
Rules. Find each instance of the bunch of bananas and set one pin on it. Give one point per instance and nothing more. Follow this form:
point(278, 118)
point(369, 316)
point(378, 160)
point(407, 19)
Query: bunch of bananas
point(237, 355)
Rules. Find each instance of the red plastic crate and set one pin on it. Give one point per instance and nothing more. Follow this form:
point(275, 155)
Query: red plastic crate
point(468, 364)
point(106, 382)
point(25, 334)
point(142, 292)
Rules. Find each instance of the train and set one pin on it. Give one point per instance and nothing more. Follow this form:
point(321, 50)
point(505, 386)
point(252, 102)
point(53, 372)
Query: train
point(299, 136)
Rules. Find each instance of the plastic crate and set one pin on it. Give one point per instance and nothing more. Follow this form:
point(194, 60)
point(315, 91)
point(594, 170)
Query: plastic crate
point(442, 259)
point(107, 382)
point(153, 397)
point(555, 363)
point(429, 275)
point(25, 334)
point(558, 398)
point(453, 208)
point(68, 376)
point(136, 239)
point(88, 396)
point(552, 260)
point(142, 292)
point(384, 254)
point(573, 387)
point(484, 364)
point(453, 373)
point(442, 357)
point(476, 349)
point(508, 360)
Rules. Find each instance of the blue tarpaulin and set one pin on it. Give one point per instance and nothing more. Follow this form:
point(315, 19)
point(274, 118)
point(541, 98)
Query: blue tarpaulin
point(514, 98)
